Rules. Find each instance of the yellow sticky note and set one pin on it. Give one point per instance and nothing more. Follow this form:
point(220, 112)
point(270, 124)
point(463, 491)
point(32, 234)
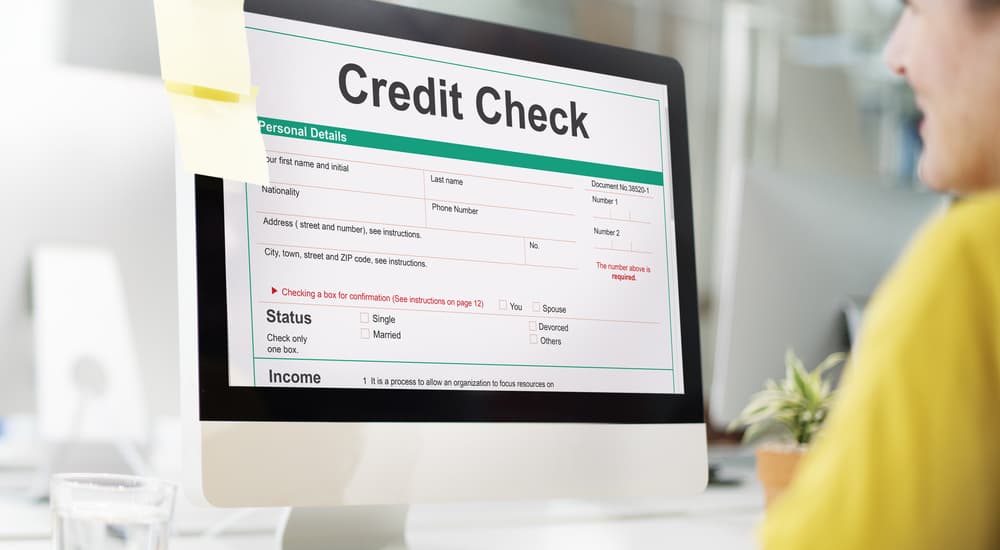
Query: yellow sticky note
point(220, 138)
point(204, 42)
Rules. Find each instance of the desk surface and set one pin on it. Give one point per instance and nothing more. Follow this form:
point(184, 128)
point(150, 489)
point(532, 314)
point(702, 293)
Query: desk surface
point(722, 517)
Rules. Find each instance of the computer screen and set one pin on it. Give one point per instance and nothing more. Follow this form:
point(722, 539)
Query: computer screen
point(474, 251)
point(523, 242)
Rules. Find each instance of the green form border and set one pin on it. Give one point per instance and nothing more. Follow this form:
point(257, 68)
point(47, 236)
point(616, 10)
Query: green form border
point(416, 141)
point(253, 346)
point(457, 363)
point(666, 240)
point(387, 142)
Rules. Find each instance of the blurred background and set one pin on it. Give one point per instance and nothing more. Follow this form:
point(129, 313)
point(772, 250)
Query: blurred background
point(803, 149)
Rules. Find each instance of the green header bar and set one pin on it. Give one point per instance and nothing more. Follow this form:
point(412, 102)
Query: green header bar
point(388, 142)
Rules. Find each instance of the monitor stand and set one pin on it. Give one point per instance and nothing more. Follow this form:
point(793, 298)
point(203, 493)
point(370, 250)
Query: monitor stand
point(343, 528)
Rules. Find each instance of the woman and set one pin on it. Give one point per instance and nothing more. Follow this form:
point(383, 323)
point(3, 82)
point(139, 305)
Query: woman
point(911, 455)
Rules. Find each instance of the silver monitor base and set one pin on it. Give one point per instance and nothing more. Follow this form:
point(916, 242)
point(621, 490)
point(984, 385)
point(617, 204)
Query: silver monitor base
point(344, 528)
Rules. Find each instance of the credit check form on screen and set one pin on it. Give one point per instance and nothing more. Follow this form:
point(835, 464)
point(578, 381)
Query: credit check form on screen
point(450, 220)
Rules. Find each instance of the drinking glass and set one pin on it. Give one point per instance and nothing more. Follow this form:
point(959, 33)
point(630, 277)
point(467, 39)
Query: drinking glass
point(111, 512)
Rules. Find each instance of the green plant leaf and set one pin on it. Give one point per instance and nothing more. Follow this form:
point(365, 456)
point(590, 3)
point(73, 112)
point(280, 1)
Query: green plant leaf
point(796, 405)
point(792, 361)
point(803, 385)
point(831, 361)
point(757, 430)
point(757, 410)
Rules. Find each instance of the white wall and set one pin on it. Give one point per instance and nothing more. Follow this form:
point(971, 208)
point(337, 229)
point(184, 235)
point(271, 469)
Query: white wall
point(29, 33)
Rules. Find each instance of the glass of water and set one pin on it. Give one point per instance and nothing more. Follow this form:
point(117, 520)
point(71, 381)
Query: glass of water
point(111, 512)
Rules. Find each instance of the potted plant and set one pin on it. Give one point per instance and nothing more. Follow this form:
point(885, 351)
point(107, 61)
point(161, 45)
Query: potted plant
point(791, 411)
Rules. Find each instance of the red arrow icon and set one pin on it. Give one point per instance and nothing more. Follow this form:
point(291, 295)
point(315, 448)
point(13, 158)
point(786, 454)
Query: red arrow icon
point(274, 290)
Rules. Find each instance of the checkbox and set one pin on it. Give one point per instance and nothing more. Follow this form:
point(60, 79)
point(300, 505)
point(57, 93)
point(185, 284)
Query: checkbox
point(536, 307)
point(532, 325)
point(533, 338)
point(365, 333)
point(503, 305)
point(364, 318)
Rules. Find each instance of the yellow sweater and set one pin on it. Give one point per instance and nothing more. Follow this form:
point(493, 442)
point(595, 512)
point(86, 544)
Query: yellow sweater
point(910, 457)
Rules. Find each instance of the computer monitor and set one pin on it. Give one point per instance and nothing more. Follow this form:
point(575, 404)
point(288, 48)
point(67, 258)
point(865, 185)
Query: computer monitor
point(470, 277)
point(799, 250)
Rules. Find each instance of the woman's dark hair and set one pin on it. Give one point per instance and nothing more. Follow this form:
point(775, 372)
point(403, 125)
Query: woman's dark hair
point(985, 4)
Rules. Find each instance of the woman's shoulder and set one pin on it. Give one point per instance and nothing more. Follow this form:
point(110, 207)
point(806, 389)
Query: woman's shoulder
point(968, 231)
point(976, 218)
point(957, 252)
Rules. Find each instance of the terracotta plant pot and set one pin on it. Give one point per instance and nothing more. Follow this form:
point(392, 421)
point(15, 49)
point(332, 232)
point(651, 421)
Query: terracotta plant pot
point(776, 465)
